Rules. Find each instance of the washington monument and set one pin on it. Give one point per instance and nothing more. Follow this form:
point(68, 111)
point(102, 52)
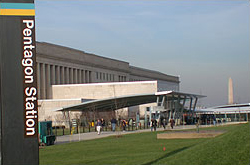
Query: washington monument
point(230, 91)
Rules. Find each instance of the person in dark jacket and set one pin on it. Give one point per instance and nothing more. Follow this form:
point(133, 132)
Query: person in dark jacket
point(153, 124)
point(103, 124)
point(172, 122)
point(113, 124)
point(164, 123)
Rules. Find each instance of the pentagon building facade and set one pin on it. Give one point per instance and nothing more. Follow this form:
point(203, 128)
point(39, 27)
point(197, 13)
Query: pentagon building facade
point(58, 65)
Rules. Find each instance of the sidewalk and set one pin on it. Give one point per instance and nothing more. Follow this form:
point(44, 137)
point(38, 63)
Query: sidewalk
point(94, 135)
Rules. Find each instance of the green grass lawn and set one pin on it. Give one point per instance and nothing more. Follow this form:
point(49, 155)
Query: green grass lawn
point(232, 147)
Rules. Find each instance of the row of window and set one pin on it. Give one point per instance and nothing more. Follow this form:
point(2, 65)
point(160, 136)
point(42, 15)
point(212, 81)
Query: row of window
point(135, 79)
point(109, 77)
point(121, 78)
point(105, 76)
point(56, 74)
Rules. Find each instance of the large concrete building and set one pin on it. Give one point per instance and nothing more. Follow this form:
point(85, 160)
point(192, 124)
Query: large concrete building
point(67, 76)
point(57, 65)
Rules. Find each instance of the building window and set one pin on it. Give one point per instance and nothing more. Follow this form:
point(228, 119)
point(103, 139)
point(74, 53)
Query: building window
point(96, 75)
point(103, 76)
point(90, 77)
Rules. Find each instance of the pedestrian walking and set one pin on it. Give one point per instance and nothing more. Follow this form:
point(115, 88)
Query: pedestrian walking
point(172, 122)
point(103, 124)
point(113, 124)
point(98, 126)
point(214, 120)
point(164, 123)
point(153, 124)
point(124, 125)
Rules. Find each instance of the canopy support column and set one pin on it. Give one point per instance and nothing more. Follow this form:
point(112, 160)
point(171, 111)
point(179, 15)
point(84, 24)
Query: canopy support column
point(182, 109)
point(195, 102)
point(190, 107)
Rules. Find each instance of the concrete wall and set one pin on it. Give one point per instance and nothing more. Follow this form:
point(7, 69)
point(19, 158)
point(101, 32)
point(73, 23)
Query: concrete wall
point(47, 109)
point(103, 90)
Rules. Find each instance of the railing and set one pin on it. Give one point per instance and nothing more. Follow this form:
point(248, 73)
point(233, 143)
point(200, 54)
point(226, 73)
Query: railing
point(60, 130)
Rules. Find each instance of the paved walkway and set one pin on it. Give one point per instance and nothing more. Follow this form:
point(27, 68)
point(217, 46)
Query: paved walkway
point(94, 135)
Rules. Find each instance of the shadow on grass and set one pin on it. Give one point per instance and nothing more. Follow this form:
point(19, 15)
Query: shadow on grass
point(167, 155)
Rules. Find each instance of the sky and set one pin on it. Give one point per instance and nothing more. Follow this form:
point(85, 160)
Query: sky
point(203, 41)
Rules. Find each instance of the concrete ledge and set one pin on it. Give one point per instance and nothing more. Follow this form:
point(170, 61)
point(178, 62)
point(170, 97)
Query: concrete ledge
point(189, 134)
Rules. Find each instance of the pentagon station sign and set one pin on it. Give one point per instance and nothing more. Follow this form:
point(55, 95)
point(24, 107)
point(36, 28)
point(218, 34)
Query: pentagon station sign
point(18, 84)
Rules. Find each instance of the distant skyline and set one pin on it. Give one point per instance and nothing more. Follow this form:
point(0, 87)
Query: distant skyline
point(203, 42)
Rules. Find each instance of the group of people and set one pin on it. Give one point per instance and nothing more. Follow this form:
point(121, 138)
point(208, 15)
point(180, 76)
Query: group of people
point(153, 124)
point(123, 124)
point(101, 124)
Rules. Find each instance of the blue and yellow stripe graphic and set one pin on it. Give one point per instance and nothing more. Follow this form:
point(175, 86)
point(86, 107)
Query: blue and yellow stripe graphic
point(17, 9)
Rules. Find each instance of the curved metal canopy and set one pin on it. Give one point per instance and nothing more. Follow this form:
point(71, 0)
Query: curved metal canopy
point(126, 101)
